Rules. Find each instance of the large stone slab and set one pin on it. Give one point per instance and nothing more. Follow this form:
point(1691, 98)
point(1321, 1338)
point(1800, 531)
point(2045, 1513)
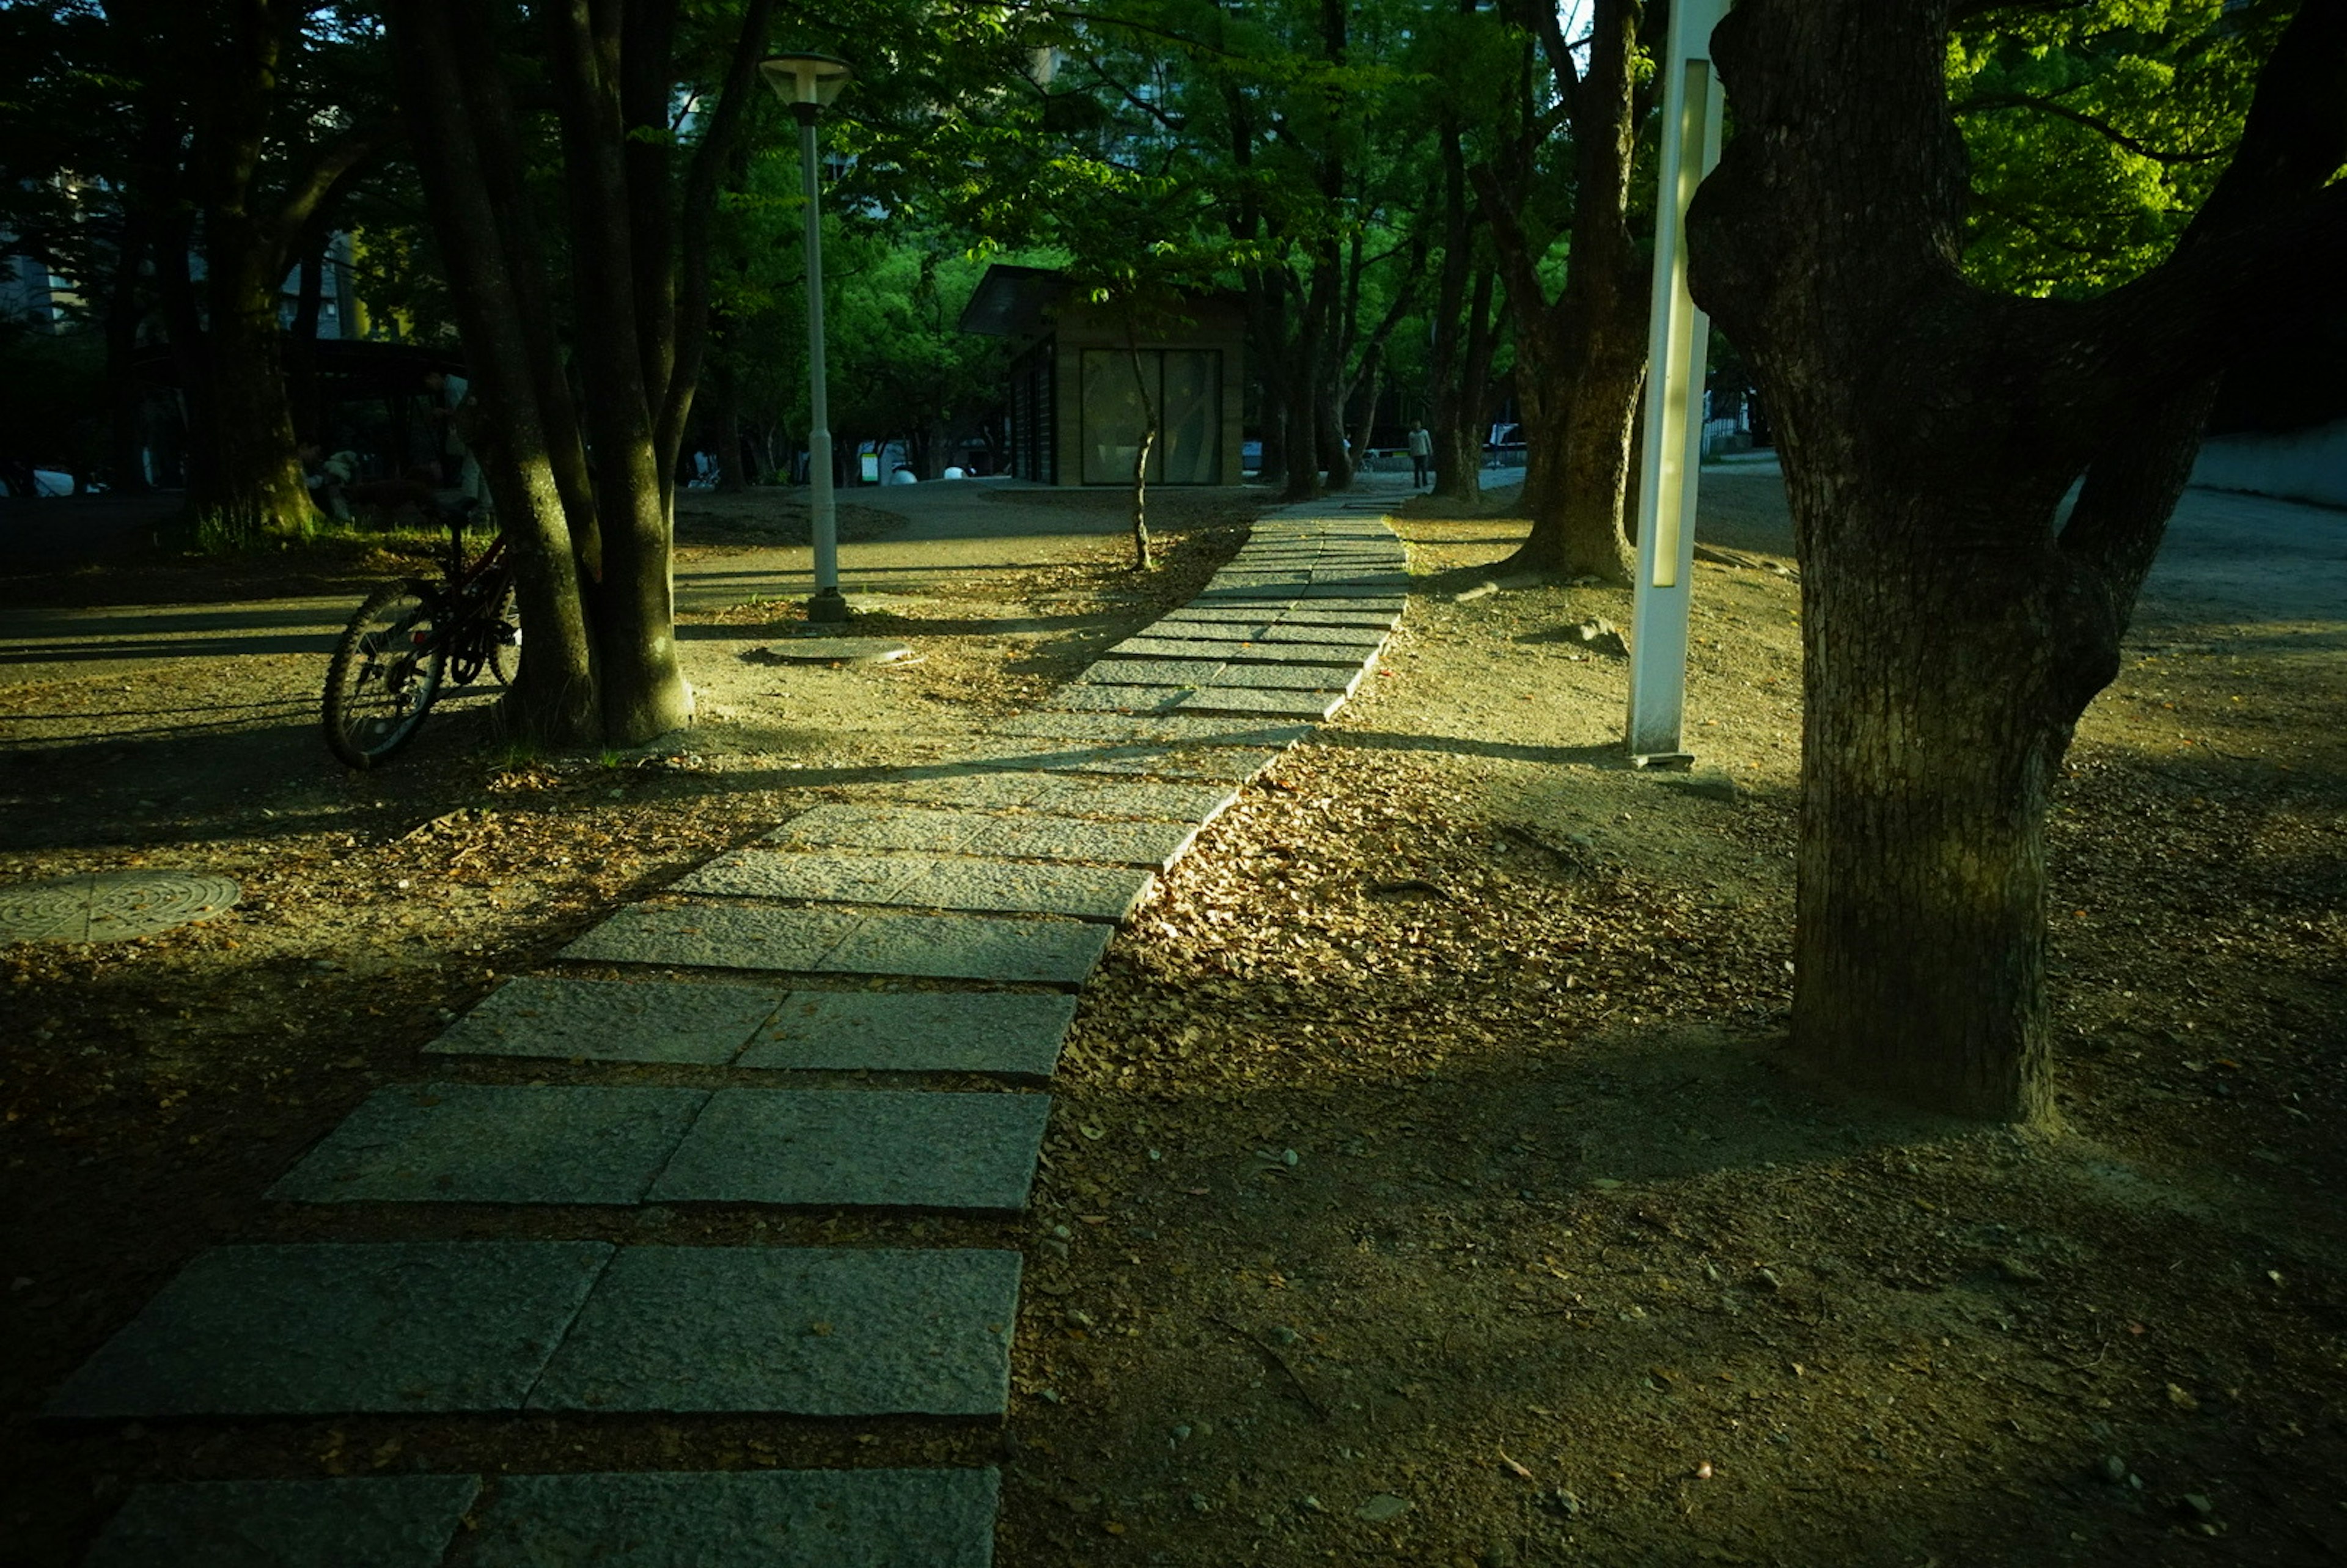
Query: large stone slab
point(755, 1518)
point(1172, 729)
point(496, 1144)
point(1155, 648)
point(1225, 654)
point(792, 1331)
point(1337, 596)
point(1083, 697)
point(1308, 614)
point(1326, 636)
point(323, 1329)
point(973, 947)
point(878, 827)
point(816, 876)
point(716, 936)
point(1035, 836)
point(1082, 760)
point(1147, 673)
point(1238, 622)
point(1016, 1033)
point(973, 785)
point(1275, 703)
point(612, 1020)
point(372, 1521)
point(1109, 893)
point(863, 1147)
point(1287, 677)
point(1220, 764)
point(1199, 803)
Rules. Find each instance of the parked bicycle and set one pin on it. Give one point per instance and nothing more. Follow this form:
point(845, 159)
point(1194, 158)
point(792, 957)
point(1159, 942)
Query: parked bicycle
point(411, 638)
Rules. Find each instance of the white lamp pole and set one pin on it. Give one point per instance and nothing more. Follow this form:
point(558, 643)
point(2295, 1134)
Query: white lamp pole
point(1676, 343)
point(808, 82)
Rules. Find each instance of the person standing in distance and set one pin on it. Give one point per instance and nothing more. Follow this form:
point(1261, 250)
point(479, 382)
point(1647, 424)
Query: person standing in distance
point(457, 467)
point(1422, 454)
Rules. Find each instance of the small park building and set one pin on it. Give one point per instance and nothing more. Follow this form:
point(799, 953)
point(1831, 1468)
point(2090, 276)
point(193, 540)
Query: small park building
point(1079, 377)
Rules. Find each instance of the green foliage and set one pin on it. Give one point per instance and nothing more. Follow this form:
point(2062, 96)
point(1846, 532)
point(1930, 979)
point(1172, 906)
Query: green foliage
point(2095, 131)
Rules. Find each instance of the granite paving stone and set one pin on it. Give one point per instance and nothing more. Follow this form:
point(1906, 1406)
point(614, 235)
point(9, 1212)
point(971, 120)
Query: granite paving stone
point(864, 827)
point(1040, 951)
point(1075, 759)
point(1161, 648)
point(1303, 653)
point(328, 1328)
point(863, 1331)
point(1239, 622)
point(359, 1521)
point(733, 1519)
point(1289, 677)
point(1165, 728)
point(1015, 1034)
point(820, 876)
point(612, 1020)
point(1083, 697)
point(1330, 636)
point(495, 1144)
point(1147, 673)
point(1199, 803)
point(861, 1147)
point(1332, 596)
point(716, 937)
point(1227, 764)
point(1307, 616)
point(1273, 702)
point(968, 785)
point(1109, 893)
point(1155, 845)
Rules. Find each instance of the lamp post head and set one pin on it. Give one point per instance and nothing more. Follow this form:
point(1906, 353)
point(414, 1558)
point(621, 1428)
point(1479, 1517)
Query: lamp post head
point(806, 82)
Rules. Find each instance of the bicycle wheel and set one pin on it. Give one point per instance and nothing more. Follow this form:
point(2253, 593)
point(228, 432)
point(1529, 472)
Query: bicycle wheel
point(504, 637)
point(385, 674)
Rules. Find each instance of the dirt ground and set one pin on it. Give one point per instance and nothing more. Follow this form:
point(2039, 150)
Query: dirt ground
point(1427, 1183)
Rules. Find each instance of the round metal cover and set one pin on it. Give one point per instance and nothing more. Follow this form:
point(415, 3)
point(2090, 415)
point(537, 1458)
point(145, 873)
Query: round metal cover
point(110, 905)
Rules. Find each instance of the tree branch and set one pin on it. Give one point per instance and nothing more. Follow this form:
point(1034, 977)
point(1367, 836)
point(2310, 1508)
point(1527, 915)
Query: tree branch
point(1991, 102)
point(694, 220)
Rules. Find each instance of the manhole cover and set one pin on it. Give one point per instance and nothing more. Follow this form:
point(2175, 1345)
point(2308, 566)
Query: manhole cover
point(110, 905)
point(831, 651)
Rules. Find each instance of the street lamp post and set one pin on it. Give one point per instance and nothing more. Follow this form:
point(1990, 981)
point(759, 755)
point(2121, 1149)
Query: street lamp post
point(808, 82)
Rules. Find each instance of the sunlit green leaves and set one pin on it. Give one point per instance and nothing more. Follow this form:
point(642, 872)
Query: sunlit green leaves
point(2095, 132)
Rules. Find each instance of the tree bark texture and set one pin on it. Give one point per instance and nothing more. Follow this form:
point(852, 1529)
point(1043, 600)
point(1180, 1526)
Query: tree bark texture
point(257, 191)
point(594, 540)
point(1952, 635)
point(1581, 357)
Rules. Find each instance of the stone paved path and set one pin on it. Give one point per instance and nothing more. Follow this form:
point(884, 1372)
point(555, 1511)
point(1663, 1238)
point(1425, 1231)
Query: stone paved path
point(1004, 874)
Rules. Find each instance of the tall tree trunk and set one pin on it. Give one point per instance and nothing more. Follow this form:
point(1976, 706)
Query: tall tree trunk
point(1307, 384)
point(467, 148)
point(725, 419)
point(1952, 636)
point(596, 84)
point(125, 398)
point(251, 480)
point(1582, 358)
point(1461, 400)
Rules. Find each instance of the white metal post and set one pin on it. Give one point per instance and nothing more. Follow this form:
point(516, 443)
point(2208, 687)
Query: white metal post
point(823, 512)
point(1676, 343)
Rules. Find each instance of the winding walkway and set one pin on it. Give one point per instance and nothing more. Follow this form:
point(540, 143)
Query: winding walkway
point(967, 904)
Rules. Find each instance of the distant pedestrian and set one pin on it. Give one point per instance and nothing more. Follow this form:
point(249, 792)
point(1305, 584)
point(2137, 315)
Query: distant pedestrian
point(1421, 454)
point(450, 396)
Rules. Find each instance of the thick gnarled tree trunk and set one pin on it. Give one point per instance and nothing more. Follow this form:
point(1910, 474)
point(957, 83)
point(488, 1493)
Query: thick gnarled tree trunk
point(593, 542)
point(1953, 635)
point(1581, 359)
